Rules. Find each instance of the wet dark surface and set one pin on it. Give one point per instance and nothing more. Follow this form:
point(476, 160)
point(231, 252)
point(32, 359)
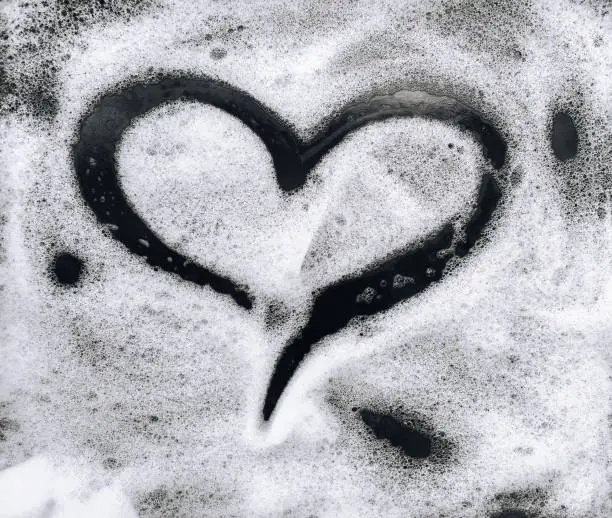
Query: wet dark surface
point(510, 513)
point(405, 274)
point(412, 442)
point(67, 269)
point(564, 136)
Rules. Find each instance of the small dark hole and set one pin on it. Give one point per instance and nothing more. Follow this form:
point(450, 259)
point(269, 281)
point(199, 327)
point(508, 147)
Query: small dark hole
point(67, 268)
point(412, 442)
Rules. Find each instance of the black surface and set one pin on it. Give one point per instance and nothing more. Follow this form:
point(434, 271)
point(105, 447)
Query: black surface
point(413, 443)
point(335, 306)
point(564, 137)
point(510, 513)
point(67, 268)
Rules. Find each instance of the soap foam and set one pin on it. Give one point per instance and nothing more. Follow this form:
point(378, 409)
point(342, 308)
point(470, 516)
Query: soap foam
point(154, 386)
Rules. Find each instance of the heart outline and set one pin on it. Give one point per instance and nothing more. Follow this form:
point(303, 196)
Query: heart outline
point(100, 132)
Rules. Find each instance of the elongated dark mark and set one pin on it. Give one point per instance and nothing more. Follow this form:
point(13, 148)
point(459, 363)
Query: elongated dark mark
point(412, 442)
point(401, 277)
point(395, 280)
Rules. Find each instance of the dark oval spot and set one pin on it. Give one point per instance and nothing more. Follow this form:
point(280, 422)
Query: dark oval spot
point(510, 513)
point(564, 137)
point(67, 268)
point(412, 443)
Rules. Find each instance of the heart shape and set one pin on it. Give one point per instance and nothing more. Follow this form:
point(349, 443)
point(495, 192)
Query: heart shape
point(397, 278)
point(205, 183)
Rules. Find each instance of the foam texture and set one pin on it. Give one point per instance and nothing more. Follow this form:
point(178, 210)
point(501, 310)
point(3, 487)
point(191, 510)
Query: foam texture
point(126, 390)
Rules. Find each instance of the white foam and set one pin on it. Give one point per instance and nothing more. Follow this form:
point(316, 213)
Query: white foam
point(157, 385)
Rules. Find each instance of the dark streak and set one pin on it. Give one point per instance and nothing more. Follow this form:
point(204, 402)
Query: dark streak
point(412, 442)
point(96, 167)
point(336, 305)
point(487, 200)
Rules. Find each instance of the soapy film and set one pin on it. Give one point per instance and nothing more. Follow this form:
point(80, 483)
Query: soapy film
point(483, 395)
